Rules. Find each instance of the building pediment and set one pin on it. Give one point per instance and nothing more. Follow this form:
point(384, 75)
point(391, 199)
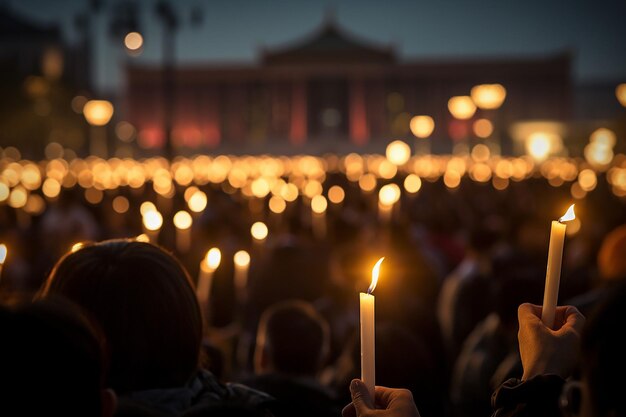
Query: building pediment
point(329, 45)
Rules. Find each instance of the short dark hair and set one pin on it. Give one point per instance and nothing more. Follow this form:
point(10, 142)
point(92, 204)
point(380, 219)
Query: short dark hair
point(145, 302)
point(603, 360)
point(296, 337)
point(53, 361)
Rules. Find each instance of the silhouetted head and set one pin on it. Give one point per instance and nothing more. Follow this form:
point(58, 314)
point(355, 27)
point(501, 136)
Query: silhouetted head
point(145, 302)
point(292, 339)
point(52, 362)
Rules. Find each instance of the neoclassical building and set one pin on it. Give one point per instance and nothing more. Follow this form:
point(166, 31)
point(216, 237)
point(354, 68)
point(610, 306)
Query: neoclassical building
point(331, 87)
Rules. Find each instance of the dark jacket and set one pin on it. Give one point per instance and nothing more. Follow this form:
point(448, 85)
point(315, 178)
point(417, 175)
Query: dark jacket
point(535, 397)
point(203, 391)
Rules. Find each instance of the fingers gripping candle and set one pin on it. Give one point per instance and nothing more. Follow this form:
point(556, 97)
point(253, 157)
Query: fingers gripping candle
point(368, 357)
point(553, 270)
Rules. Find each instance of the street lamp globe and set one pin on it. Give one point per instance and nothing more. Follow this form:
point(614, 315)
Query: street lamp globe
point(98, 112)
point(422, 126)
point(462, 107)
point(488, 96)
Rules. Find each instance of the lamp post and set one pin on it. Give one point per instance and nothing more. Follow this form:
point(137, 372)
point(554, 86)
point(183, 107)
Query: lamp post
point(98, 113)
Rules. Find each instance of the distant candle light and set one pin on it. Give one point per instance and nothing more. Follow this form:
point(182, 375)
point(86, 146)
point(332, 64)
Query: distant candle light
point(152, 220)
point(182, 220)
point(212, 259)
point(259, 231)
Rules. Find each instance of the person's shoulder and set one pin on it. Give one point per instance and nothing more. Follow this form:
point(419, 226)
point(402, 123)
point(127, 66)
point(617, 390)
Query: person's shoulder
point(216, 392)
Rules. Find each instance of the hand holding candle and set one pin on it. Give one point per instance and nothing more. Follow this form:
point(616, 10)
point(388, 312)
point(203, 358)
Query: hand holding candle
point(368, 332)
point(553, 270)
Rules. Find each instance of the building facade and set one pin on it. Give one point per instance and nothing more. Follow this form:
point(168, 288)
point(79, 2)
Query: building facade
point(333, 88)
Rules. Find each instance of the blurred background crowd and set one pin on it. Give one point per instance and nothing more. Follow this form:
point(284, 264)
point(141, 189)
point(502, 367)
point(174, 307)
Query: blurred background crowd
point(279, 176)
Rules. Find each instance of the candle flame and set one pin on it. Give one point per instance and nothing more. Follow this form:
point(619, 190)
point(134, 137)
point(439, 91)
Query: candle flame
point(3, 253)
point(242, 258)
point(569, 215)
point(375, 273)
point(213, 258)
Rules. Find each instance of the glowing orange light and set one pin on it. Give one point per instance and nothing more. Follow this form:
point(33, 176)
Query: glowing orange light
point(620, 93)
point(182, 220)
point(398, 152)
point(375, 274)
point(152, 220)
point(259, 231)
point(133, 41)
point(422, 126)
point(488, 96)
point(483, 128)
point(241, 258)
point(319, 204)
point(213, 258)
point(461, 107)
point(98, 112)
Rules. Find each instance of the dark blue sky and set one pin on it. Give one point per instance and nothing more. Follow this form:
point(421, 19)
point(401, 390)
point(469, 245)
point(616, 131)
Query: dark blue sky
point(233, 30)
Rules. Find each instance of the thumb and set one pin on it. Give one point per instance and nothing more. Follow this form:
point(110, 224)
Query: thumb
point(361, 397)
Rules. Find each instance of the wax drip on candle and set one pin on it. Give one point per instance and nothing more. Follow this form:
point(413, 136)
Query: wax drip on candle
point(569, 215)
point(375, 273)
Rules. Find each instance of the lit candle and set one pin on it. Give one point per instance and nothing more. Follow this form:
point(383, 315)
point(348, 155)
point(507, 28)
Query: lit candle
point(387, 196)
point(242, 264)
point(553, 271)
point(183, 221)
point(368, 332)
point(152, 222)
point(205, 278)
point(259, 232)
point(3, 256)
point(318, 212)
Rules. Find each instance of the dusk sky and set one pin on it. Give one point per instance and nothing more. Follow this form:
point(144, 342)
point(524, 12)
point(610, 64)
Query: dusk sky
point(234, 30)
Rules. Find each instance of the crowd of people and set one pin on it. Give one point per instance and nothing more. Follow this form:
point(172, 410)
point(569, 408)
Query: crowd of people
point(115, 327)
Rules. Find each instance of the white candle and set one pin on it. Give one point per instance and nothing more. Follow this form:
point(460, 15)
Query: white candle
point(152, 222)
point(205, 278)
point(242, 264)
point(368, 332)
point(319, 204)
point(259, 232)
point(553, 270)
point(183, 222)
